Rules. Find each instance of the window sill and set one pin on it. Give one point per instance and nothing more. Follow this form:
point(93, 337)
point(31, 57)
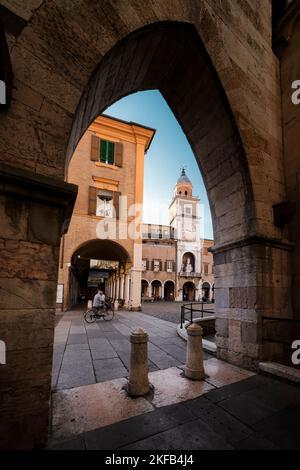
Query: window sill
point(107, 165)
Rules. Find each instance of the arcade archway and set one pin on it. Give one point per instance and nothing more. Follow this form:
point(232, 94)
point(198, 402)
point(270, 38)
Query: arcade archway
point(156, 289)
point(169, 290)
point(95, 263)
point(188, 292)
point(206, 291)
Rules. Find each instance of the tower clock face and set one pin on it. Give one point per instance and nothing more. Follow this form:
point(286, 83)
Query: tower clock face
point(189, 234)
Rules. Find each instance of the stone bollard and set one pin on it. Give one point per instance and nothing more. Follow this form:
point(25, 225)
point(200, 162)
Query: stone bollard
point(138, 383)
point(194, 357)
point(116, 305)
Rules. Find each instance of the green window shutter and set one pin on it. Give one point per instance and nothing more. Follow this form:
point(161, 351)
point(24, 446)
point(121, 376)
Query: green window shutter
point(103, 151)
point(110, 152)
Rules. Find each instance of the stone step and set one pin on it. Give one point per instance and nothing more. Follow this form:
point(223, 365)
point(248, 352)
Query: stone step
point(280, 370)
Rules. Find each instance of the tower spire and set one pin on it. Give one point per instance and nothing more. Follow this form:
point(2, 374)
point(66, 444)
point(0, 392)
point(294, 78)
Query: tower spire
point(183, 179)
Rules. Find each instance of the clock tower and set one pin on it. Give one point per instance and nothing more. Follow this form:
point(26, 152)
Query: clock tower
point(184, 216)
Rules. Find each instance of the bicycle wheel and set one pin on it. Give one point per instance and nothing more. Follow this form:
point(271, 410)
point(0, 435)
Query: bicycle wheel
point(90, 316)
point(108, 314)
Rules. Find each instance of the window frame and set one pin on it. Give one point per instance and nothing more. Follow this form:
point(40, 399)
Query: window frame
point(107, 143)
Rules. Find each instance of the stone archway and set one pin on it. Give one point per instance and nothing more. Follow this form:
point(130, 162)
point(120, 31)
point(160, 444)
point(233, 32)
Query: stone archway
point(169, 290)
point(94, 262)
point(206, 291)
point(188, 291)
point(145, 288)
point(211, 85)
point(156, 289)
point(168, 56)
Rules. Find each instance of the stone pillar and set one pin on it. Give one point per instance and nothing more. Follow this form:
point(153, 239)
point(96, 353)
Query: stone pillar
point(114, 288)
point(160, 291)
point(135, 289)
point(34, 211)
point(194, 358)
point(118, 288)
point(199, 293)
point(138, 384)
point(244, 292)
point(180, 294)
point(122, 282)
point(126, 290)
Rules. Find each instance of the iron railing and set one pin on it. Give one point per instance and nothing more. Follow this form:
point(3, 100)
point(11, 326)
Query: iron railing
point(188, 311)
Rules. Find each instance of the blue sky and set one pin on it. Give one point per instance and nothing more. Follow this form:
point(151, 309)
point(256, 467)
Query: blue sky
point(167, 154)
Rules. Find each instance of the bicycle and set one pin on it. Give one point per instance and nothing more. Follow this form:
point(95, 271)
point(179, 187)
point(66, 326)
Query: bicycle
point(95, 313)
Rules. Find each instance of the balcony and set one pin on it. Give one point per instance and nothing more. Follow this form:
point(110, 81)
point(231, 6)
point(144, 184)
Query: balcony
point(191, 274)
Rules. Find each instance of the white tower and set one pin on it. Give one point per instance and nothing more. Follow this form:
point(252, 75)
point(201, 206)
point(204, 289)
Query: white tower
point(184, 214)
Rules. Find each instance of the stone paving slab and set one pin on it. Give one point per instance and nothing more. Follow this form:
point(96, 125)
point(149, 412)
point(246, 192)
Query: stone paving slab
point(108, 369)
point(73, 409)
point(200, 423)
point(221, 422)
point(107, 340)
point(194, 435)
point(282, 427)
point(88, 407)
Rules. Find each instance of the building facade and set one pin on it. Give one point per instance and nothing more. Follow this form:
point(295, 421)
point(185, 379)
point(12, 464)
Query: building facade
point(108, 245)
point(176, 262)
point(108, 168)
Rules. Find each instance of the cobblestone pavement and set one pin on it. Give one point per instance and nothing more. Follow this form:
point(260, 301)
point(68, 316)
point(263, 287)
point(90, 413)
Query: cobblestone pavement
point(169, 311)
point(256, 413)
point(85, 354)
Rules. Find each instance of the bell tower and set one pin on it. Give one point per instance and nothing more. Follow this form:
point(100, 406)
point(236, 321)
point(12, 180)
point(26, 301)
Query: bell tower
point(184, 217)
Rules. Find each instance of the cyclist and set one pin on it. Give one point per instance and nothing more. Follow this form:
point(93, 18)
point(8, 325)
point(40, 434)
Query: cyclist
point(99, 299)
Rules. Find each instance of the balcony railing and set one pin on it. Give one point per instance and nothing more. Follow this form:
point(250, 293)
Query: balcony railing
point(192, 274)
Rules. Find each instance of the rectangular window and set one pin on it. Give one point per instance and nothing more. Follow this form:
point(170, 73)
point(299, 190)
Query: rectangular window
point(156, 265)
point(144, 265)
point(169, 266)
point(104, 203)
point(107, 152)
point(155, 233)
point(205, 268)
point(166, 233)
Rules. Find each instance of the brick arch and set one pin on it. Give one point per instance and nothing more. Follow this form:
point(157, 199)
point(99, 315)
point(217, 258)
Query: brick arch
point(97, 247)
point(170, 57)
